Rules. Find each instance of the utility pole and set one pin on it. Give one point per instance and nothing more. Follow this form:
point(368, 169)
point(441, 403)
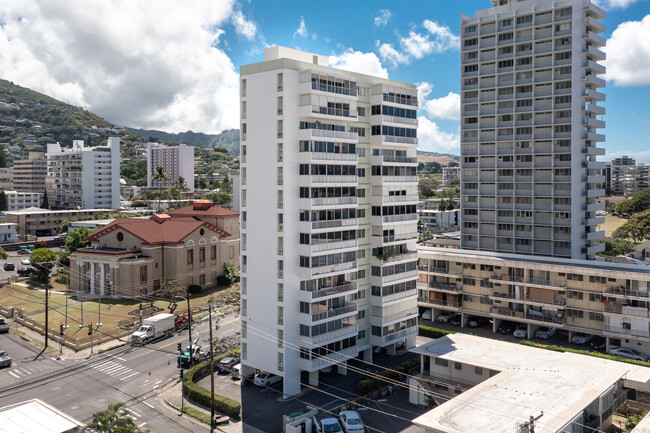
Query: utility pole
point(211, 375)
point(47, 298)
point(180, 366)
point(90, 332)
point(189, 323)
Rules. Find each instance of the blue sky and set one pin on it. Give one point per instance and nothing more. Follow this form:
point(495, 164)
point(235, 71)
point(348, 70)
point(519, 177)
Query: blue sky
point(174, 65)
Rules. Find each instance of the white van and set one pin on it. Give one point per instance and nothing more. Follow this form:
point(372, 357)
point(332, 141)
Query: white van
point(236, 372)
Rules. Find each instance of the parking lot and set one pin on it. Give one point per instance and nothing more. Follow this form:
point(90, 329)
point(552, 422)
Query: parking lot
point(263, 407)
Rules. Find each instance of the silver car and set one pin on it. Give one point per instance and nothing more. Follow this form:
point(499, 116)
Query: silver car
point(4, 326)
point(5, 359)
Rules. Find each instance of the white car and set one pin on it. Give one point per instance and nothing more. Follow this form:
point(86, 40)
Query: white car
point(26, 262)
point(351, 422)
point(624, 352)
point(521, 331)
point(266, 379)
point(545, 332)
point(235, 372)
point(443, 318)
point(581, 338)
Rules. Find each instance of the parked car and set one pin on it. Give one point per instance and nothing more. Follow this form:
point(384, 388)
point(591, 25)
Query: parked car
point(443, 318)
point(236, 372)
point(598, 343)
point(426, 315)
point(545, 332)
point(477, 321)
point(61, 236)
point(624, 352)
point(5, 359)
point(507, 327)
point(581, 338)
point(377, 350)
point(4, 326)
point(266, 379)
point(9, 267)
point(226, 364)
point(25, 272)
point(24, 251)
point(521, 331)
point(26, 262)
point(351, 422)
point(456, 319)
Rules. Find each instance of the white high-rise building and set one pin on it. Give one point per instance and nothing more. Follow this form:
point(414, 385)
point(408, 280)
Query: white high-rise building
point(328, 215)
point(178, 161)
point(529, 92)
point(83, 177)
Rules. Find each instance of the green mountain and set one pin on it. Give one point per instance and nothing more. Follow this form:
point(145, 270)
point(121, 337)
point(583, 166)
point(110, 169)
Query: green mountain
point(228, 139)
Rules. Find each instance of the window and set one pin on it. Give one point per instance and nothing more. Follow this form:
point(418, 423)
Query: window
point(470, 42)
point(190, 257)
point(471, 68)
point(441, 362)
point(143, 274)
point(525, 20)
point(506, 36)
point(458, 366)
point(202, 254)
point(361, 111)
point(505, 23)
point(213, 252)
point(478, 371)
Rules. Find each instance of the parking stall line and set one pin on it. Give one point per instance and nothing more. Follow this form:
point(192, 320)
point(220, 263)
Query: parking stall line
point(14, 374)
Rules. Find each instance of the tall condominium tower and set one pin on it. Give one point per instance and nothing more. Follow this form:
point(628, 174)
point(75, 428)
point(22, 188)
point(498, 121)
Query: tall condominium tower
point(83, 177)
point(178, 161)
point(328, 215)
point(530, 115)
point(30, 174)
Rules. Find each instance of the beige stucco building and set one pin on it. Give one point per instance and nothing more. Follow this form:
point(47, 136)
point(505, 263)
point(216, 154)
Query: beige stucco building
point(133, 257)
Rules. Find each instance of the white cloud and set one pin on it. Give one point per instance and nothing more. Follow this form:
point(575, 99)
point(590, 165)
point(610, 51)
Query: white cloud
point(424, 90)
point(356, 61)
point(614, 4)
point(383, 17)
point(436, 40)
point(447, 107)
point(431, 138)
point(628, 54)
point(137, 64)
point(301, 31)
point(243, 26)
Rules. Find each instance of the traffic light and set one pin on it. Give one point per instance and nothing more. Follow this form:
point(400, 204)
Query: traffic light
point(180, 347)
point(61, 329)
point(90, 329)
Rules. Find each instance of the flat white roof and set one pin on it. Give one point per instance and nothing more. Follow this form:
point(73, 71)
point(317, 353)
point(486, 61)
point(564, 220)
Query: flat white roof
point(35, 416)
point(37, 210)
point(530, 380)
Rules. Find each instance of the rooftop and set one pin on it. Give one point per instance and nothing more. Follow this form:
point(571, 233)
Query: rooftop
point(35, 416)
point(203, 208)
point(530, 380)
point(38, 210)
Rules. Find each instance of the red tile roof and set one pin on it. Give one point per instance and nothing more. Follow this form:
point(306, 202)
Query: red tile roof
point(170, 231)
point(212, 211)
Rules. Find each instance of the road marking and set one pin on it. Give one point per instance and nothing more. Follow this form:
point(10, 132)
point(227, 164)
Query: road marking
point(26, 371)
point(19, 372)
point(130, 375)
point(102, 364)
point(113, 369)
point(137, 415)
point(157, 382)
point(228, 331)
point(128, 370)
point(144, 402)
point(121, 359)
point(142, 424)
point(13, 374)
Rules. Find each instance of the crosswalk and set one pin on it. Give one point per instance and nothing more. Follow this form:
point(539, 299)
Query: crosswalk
point(115, 369)
point(133, 414)
point(22, 371)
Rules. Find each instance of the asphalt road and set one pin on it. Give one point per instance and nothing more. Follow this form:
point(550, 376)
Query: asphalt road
point(131, 375)
point(28, 361)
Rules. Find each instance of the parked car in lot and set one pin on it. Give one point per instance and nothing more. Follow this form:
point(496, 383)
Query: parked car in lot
point(266, 379)
point(236, 372)
point(624, 352)
point(521, 331)
point(598, 343)
point(581, 338)
point(456, 319)
point(507, 327)
point(545, 332)
point(226, 364)
point(5, 359)
point(477, 321)
point(24, 251)
point(4, 326)
point(351, 422)
point(26, 262)
point(443, 318)
point(426, 315)
point(9, 267)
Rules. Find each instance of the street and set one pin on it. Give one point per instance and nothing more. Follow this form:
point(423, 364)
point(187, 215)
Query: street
point(132, 375)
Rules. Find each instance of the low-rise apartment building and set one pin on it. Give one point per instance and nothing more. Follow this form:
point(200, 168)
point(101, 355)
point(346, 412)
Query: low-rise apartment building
point(132, 257)
point(8, 233)
point(44, 222)
point(598, 298)
point(449, 174)
point(22, 200)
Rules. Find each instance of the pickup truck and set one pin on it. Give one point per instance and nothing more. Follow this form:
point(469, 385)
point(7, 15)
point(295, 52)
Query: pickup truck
point(198, 355)
point(153, 328)
point(326, 423)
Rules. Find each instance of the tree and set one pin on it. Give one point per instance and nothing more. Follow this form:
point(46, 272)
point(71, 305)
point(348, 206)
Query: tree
point(454, 182)
point(43, 260)
point(219, 198)
point(46, 203)
point(619, 247)
point(637, 203)
point(229, 275)
point(428, 186)
point(65, 226)
point(181, 184)
point(113, 421)
point(171, 290)
point(77, 239)
point(3, 201)
point(202, 183)
point(636, 228)
point(3, 159)
point(3, 254)
point(159, 177)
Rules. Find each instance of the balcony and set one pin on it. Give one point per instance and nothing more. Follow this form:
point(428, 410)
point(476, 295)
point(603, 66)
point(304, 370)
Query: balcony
point(331, 358)
point(382, 118)
point(324, 293)
point(319, 134)
point(622, 292)
point(594, 39)
point(595, 109)
point(392, 160)
point(626, 310)
point(391, 199)
point(380, 180)
point(553, 319)
point(339, 334)
point(594, 67)
point(307, 203)
point(596, 53)
point(308, 86)
point(376, 340)
point(380, 301)
point(322, 271)
point(443, 272)
point(392, 318)
point(318, 111)
point(618, 331)
point(379, 240)
point(379, 140)
point(326, 156)
point(350, 222)
point(453, 305)
point(387, 219)
point(594, 81)
point(308, 250)
point(319, 180)
point(594, 95)
point(594, 25)
point(533, 282)
point(441, 287)
point(390, 279)
point(349, 308)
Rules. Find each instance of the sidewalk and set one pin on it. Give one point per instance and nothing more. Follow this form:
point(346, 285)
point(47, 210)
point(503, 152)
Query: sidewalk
point(172, 396)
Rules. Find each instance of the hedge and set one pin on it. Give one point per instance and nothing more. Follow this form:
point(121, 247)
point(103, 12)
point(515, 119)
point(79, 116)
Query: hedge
point(583, 352)
point(202, 396)
point(427, 331)
point(194, 289)
point(398, 374)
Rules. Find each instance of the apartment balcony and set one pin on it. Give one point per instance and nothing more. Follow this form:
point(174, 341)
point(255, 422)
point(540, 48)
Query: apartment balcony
point(327, 113)
point(325, 293)
point(594, 67)
point(622, 292)
point(394, 278)
point(394, 120)
point(339, 334)
point(594, 221)
point(381, 301)
point(596, 53)
point(594, 25)
point(381, 180)
point(403, 257)
point(389, 319)
point(342, 246)
point(593, 123)
point(531, 282)
point(626, 310)
point(592, 136)
point(441, 287)
point(307, 157)
point(594, 150)
point(595, 178)
point(594, 207)
point(327, 270)
point(441, 272)
point(440, 303)
point(594, 39)
point(378, 97)
point(377, 241)
point(349, 309)
point(317, 202)
point(617, 332)
point(593, 236)
point(376, 340)
point(332, 358)
point(594, 81)
point(320, 134)
point(327, 90)
point(392, 219)
point(592, 250)
point(306, 226)
point(391, 140)
point(393, 160)
point(393, 199)
point(554, 320)
point(594, 95)
point(330, 180)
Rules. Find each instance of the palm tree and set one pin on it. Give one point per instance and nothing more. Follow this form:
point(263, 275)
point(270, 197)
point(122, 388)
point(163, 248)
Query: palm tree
point(159, 176)
point(112, 421)
point(181, 184)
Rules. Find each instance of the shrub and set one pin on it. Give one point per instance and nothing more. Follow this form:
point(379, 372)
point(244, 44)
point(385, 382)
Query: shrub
point(427, 331)
point(398, 374)
point(583, 352)
point(194, 289)
point(202, 396)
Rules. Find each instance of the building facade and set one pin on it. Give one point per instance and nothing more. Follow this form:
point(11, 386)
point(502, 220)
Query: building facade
point(29, 174)
point(530, 90)
point(178, 161)
point(6, 178)
point(23, 200)
point(625, 177)
point(339, 213)
point(8, 232)
point(449, 174)
point(84, 177)
point(597, 298)
point(44, 222)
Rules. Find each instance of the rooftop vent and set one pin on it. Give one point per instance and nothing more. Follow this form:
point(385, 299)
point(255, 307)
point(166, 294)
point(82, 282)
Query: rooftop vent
point(202, 204)
point(160, 218)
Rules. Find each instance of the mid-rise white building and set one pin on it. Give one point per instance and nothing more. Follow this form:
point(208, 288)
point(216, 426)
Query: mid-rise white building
point(22, 200)
point(83, 177)
point(449, 174)
point(625, 177)
point(6, 178)
point(29, 174)
point(530, 89)
point(177, 161)
point(328, 215)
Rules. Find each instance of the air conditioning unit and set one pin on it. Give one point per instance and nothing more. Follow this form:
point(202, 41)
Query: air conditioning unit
point(280, 87)
point(280, 367)
point(280, 251)
point(280, 205)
